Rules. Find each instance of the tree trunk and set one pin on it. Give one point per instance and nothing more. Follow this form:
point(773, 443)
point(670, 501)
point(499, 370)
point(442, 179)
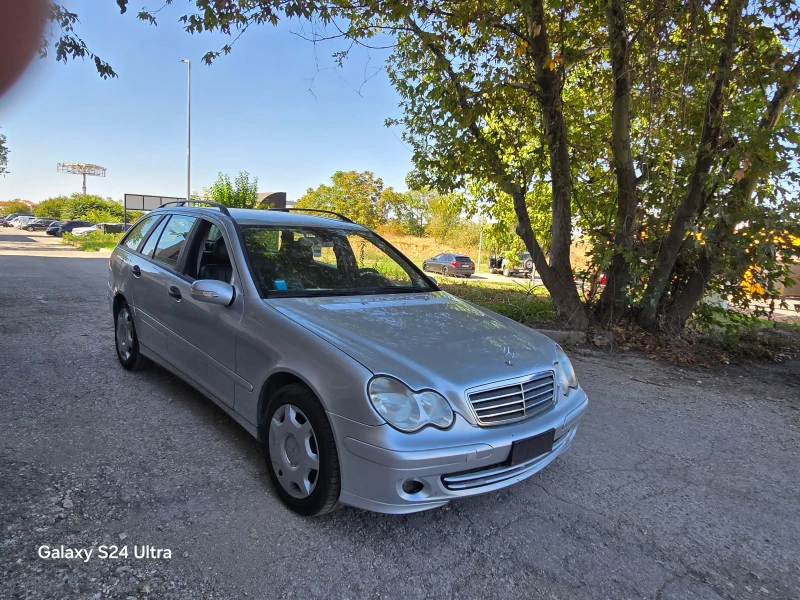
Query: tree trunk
point(738, 198)
point(563, 292)
point(693, 198)
point(557, 277)
point(613, 300)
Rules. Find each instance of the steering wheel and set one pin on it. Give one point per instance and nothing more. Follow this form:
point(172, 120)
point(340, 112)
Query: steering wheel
point(371, 277)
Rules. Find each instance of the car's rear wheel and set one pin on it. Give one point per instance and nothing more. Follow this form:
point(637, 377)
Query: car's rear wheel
point(445, 272)
point(300, 449)
point(127, 341)
point(29, 228)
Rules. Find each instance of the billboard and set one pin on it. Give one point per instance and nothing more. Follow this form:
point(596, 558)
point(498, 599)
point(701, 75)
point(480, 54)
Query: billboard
point(142, 202)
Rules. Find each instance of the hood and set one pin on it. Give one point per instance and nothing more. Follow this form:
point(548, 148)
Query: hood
point(424, 339)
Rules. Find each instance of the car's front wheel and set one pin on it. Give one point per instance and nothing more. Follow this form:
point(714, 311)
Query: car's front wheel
point(301, 452)
point(127, 341)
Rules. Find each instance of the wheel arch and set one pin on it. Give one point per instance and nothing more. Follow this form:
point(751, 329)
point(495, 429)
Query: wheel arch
point(119, 300)
point(275, 382)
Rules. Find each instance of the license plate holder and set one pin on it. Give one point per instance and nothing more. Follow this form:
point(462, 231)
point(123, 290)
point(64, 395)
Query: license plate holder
point(525, 450)
point(465, 266)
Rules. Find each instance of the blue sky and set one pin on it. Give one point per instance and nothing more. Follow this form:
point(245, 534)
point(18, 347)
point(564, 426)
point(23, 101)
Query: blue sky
point(251, 111)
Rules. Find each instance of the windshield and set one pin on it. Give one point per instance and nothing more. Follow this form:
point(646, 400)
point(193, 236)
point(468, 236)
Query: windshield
point(323, 261)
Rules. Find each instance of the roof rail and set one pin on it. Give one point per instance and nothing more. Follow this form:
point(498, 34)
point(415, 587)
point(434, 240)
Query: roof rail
point(316, 210)
point(222, 208)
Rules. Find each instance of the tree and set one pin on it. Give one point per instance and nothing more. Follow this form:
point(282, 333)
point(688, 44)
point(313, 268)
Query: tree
point(3, 155)
point(243, 193)
point(358, 196)
point(408, 210)
point(666, 132)
point(52, 207)
point(16, 206)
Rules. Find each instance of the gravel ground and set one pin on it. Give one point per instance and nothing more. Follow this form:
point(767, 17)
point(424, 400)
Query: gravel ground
point(681, 484)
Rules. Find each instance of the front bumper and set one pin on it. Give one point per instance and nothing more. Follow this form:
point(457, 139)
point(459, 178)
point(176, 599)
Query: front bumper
point(468, 460)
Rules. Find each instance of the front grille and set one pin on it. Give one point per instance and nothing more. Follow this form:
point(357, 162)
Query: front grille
point(514, 402)
point(484, 476)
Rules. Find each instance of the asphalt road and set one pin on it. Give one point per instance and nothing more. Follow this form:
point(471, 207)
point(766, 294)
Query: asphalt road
point(681, 484)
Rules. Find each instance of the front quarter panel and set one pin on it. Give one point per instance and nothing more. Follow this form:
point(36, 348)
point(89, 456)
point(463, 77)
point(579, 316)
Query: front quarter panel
point(270, 343)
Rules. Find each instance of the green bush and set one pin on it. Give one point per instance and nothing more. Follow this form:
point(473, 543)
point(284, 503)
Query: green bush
point(93, 241)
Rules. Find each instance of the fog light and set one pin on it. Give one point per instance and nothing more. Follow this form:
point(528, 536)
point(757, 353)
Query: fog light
point(411, 486)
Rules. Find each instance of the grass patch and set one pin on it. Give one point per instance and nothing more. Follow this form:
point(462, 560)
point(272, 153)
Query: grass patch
point(92, 242)
point(526, 304)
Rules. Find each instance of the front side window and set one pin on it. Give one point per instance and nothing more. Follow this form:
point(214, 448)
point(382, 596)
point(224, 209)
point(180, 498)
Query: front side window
point(172, 240)
point(323, 261)
point(138, 233)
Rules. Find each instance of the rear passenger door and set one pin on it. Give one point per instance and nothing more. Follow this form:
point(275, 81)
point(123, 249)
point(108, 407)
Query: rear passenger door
point(203, 336)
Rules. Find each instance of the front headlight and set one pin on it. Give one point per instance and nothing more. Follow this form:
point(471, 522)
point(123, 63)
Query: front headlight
point(567, 378)
point(406, 409)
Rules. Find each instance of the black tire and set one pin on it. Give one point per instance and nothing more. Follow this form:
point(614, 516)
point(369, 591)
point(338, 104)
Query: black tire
point(324, 498)
point(444, 272)
point(129, 356)
point(424, 267)
point(467, 276)
point(29, 228)
point(529, 265)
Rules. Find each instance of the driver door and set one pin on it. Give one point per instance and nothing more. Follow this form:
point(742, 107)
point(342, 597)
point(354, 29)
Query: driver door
point(203, 336)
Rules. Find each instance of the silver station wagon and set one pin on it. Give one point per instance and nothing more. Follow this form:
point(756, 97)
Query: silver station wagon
point(364, 382)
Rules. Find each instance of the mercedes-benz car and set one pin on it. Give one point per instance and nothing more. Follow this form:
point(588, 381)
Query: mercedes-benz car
point(364, 382)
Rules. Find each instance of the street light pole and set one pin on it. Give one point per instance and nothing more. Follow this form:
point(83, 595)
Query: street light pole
point(188, 129)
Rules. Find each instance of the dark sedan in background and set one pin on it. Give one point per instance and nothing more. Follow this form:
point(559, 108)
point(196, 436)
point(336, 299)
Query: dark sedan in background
point(67, 226)
point(39, 224)
point(453, 265)
point(54, 227)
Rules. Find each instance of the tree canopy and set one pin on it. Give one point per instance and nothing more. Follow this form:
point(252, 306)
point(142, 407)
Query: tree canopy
point(666, 132)
point(241, 193)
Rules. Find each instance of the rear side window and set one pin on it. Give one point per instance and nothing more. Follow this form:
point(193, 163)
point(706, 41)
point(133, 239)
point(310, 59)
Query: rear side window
point(172, 240)
point(139, 232)
point(151, 242)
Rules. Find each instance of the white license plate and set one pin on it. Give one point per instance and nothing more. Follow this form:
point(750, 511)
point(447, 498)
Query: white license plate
point(465, 266)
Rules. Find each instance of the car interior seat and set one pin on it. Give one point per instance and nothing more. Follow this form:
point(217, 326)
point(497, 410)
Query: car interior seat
point(220, 265)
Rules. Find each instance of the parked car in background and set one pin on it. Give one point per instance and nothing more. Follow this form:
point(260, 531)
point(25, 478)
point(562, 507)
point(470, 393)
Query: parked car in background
point(454, 265)
point(68, 226)
point(38, 224)
point(22, 220)
point(54, 227)
point(84, 230)
point(12, 216)
point(520, 264)
point(364, 382)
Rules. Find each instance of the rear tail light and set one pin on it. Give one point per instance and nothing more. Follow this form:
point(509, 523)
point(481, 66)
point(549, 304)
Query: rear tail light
point(454, 263)
point(472, 265)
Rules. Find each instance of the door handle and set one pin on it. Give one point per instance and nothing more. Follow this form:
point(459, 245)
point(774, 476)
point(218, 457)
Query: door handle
point(137, 272)
point(174, 292)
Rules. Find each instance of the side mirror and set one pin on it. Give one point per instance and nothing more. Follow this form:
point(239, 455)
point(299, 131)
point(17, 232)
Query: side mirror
point(433, 280)
point(213, 292)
